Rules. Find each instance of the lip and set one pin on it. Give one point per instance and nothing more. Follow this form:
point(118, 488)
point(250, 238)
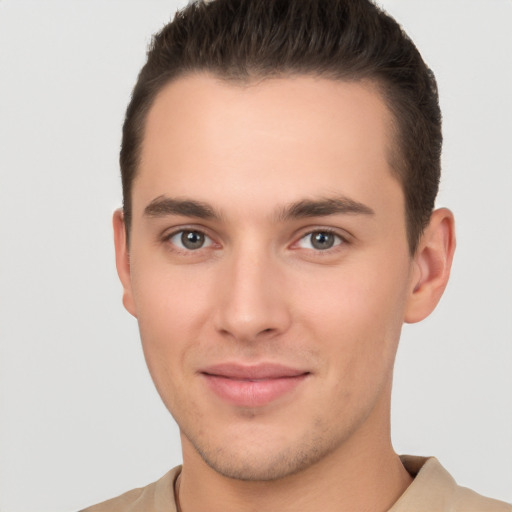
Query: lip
point(252, 385)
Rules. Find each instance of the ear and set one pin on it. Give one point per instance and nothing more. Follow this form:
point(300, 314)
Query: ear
point(123, 260)
point(432, 264)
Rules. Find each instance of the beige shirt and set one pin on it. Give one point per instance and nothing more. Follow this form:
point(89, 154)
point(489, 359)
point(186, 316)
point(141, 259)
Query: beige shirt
point(432, 490)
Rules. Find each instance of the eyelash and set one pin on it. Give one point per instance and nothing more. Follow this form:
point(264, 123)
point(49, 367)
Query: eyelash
point(168, 239)
point(341, 240)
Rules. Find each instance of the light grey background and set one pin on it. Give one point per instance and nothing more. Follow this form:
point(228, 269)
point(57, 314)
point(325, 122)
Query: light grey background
point(79, 418)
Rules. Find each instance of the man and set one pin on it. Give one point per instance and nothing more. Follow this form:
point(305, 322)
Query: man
point(280, 162)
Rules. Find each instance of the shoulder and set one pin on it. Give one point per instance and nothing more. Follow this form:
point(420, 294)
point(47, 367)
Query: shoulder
point(469, 501)
point(435, 490)
point(155, 497)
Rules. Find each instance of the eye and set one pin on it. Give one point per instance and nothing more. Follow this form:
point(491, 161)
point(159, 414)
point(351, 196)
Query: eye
point(190, 239)
point(320, 240)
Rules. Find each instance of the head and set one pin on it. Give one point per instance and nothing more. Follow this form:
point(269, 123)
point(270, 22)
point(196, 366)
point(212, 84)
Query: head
point(246, 41)
point(280, 163)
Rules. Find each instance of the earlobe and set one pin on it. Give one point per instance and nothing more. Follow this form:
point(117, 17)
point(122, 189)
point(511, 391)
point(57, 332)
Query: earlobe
point(432, 264)
point(123, 260)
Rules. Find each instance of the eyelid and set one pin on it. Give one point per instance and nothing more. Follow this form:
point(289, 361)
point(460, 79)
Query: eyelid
point(168, 234)
point(344, 236)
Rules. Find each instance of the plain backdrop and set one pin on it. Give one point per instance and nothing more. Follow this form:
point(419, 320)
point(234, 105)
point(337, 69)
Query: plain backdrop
point(80, 420)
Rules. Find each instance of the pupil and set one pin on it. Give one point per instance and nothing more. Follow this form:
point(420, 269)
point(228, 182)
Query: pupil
point(192, 239)
point(322, 240)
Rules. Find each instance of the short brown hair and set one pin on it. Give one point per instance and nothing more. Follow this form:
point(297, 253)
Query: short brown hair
point(350, 40)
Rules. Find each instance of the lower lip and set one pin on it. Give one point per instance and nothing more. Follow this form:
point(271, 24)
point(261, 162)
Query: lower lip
point(252, 393)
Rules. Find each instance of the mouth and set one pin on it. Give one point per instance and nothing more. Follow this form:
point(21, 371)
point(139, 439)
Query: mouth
point(252, 385)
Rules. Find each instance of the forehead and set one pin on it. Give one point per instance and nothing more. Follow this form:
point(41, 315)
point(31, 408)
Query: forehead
point(280, 136)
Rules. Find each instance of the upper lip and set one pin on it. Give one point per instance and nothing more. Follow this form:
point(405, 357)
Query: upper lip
point(259, 371)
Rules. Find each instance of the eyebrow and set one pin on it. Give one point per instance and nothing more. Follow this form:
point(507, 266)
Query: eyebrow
point(163, 206)
point(323, 207)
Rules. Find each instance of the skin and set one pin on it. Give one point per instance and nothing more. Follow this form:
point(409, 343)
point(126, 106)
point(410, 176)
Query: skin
point(259, 291)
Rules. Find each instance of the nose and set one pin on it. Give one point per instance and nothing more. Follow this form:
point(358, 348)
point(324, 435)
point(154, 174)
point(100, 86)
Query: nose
point(252, 301)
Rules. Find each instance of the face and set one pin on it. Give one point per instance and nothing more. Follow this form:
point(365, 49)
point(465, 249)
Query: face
point(269, 268)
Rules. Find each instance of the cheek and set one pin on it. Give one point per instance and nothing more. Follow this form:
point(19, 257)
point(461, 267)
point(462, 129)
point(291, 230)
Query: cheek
point(171, 311)
point(358, 315)
point(170, 300)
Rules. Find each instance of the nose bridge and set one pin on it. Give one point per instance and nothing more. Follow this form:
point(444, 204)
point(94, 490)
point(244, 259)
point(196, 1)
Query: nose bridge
point(251, 303)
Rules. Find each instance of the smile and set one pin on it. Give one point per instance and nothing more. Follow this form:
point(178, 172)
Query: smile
point(252, 386)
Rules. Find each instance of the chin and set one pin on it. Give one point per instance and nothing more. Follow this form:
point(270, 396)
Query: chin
point(263, 461)
point(262, 469)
